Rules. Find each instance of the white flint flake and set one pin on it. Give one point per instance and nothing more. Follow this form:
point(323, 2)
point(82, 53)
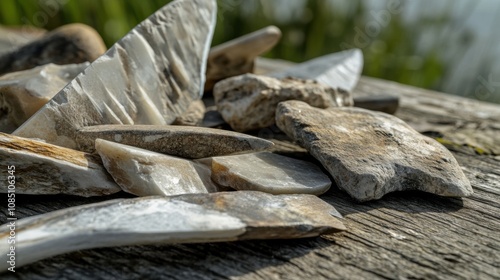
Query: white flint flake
point(143, 173)
point(150, 76)
point(224, 216)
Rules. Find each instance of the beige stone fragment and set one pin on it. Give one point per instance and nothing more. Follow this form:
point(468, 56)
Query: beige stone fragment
point(144, 173)
point(25, 92)
point(193, 116)
point(12, 38)
point(41, 168)
point(271, 173)
point(249, 101)
point(237, 56)
point(68, 44)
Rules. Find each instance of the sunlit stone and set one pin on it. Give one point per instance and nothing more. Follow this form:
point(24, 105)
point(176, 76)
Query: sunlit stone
point(143, 173)
point(271, 173)
point(237, 56)
point(217, 217)
point(370, 154)
point(249, 101)
point(150, 76)
point(40, 168)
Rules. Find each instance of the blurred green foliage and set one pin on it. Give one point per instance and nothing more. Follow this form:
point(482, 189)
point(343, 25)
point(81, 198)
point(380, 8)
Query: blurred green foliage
point(310, 29)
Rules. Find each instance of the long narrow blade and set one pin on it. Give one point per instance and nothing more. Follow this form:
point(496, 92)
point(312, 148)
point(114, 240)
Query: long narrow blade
point(224, 216)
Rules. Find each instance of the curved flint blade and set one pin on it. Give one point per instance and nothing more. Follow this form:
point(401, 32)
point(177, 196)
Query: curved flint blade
point(224, 216)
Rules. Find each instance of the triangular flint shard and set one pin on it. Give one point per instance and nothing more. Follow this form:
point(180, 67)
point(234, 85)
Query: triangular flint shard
point(150, 76)
point(338, 70)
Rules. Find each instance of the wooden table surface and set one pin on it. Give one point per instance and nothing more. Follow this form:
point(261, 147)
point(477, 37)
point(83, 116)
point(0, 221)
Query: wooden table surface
point(407, 235)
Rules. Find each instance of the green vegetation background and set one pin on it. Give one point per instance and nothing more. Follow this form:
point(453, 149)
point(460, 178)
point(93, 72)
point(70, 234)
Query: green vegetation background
point(317, 28)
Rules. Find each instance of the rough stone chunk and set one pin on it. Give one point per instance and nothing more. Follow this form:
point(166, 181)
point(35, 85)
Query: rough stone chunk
point(249, 101)
point(68, 44)
point(338, 70)
point(41, 168)
point(271, 173)
point(237, 56)
point(193, 116)
point(182, 141)
point(25, 92)
point(150, 76)
point(217, 217)
point(143, 173)
point(370, 154)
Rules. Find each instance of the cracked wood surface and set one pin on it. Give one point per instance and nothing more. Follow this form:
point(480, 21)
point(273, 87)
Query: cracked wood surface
point(407, 235)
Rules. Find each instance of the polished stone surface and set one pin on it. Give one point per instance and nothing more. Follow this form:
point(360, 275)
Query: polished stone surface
point(271, 173)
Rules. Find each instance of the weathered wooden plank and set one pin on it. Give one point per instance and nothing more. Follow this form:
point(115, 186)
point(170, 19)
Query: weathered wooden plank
point(407, 235)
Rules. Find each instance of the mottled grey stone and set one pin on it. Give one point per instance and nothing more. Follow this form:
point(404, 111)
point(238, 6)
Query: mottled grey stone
point(193, 116)
point(370, 154)
point(237, 56)
point(183, 141)
point(249, 101)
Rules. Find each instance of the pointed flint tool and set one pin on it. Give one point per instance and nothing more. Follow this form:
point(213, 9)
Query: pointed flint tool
point(150, 76)
point(338, 70)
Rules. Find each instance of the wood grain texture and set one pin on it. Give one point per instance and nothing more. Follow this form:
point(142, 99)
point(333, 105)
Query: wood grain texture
point(408, 235)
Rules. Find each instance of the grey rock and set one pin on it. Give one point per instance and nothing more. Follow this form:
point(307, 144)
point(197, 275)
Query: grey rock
point(144, 173)
point(271, 173)
point(217, 217)
point(182, 141)
point(249, 101)
point(237, 56)
point(338, 70)
point(23, 93)
point(68, 44)
point(370, 154)
point(193, 116)
point(212, 118)
point(150, 76)
point(41, 168)
point(12, 38)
